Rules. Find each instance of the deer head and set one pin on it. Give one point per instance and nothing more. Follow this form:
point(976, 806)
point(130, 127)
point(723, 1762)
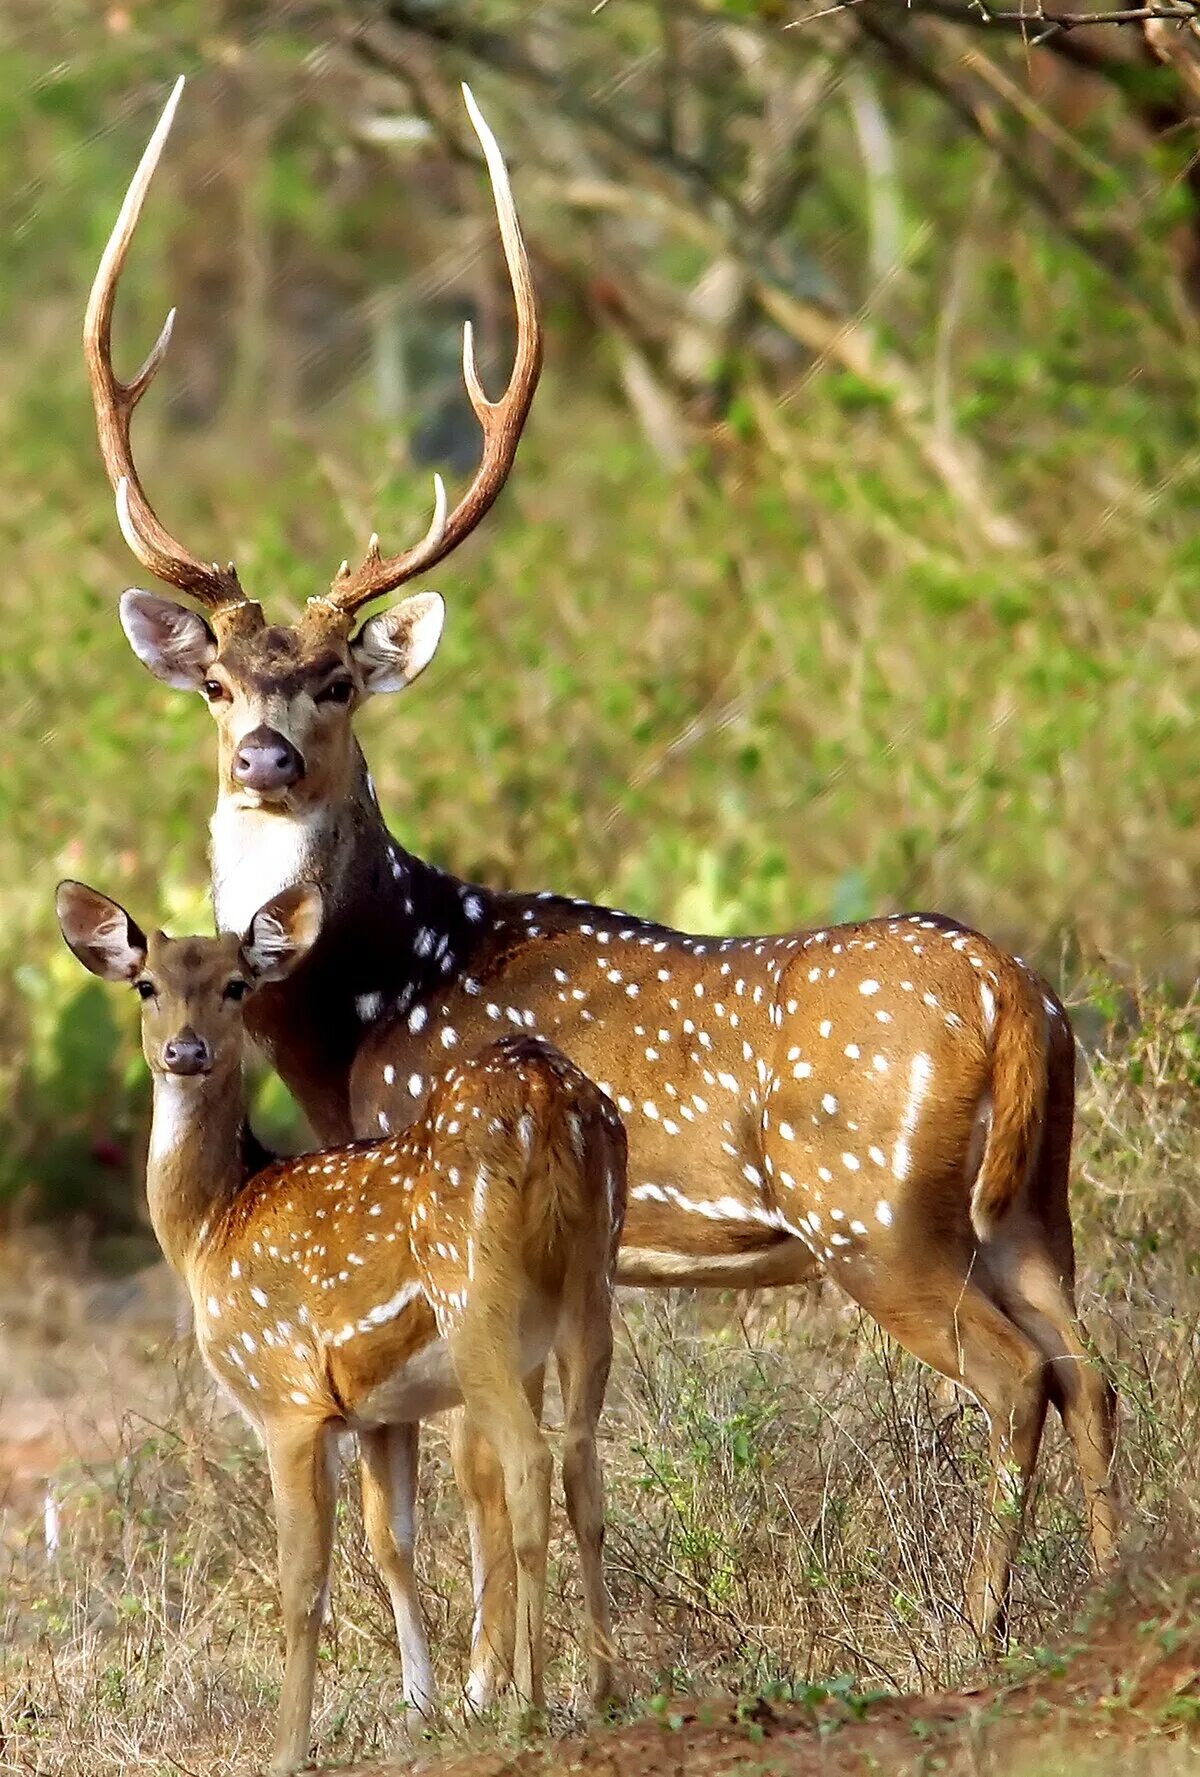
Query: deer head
point(191, 989)
point(284, 697)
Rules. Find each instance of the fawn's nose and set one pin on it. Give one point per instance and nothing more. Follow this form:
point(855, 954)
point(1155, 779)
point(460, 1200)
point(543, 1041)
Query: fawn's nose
point(187, 1053)
point(266, 761)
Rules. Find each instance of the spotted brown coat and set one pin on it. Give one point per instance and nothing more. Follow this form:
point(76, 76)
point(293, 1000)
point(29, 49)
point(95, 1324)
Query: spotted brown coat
point(364, 1287)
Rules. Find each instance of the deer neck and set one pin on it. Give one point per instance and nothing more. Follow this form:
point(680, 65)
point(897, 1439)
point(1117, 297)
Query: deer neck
point(393, 927)
point(197, 1159)
point(343, 845)
point(257, 852)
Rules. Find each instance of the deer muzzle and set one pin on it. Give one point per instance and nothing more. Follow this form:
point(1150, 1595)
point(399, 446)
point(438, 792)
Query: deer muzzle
point(187, 1053)
point(267, 762)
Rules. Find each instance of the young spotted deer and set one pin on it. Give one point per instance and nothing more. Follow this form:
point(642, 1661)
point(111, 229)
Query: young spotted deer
point(364, 1287)
point(892, 1101)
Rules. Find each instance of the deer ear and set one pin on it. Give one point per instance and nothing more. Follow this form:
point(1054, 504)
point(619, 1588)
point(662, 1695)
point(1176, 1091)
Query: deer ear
point(282, 932)
point(100, 932)
point(395, 647)
point(175, 643)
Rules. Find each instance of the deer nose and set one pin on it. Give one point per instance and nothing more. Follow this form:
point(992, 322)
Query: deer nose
point(187, 1053)
point(266, 761)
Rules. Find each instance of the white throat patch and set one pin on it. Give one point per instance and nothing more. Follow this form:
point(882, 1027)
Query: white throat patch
point(255, 855)
point(174, 1117)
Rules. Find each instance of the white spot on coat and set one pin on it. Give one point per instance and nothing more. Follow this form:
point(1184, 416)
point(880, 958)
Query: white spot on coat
point(920, 1073)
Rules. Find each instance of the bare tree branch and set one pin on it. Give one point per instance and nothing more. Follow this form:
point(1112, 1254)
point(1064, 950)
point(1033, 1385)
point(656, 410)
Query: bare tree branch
point(501, 52)
point(1108, 252)
point(725, 171)
point(1036, 22)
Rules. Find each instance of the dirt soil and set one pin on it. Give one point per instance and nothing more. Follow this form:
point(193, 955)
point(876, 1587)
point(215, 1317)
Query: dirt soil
point(1123, 1697)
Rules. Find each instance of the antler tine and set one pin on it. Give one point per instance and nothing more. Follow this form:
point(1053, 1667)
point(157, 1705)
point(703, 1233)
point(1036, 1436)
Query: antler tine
point(437, 524)
point(502, 421)
point(116, 401)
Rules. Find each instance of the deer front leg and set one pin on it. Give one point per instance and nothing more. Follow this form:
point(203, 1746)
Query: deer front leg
point(301, 1455)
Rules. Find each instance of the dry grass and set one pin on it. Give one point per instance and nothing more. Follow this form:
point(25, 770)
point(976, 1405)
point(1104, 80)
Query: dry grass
point(790, 1499)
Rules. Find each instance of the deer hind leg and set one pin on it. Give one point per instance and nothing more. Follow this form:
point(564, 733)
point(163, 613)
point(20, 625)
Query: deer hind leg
point(1006, 1373)
point(584, 1352)
point(486, 1363)
point(480, 1481)
point(953, 1325)
point(388, 1461)
point(301, 1458)
point(1031, 1286)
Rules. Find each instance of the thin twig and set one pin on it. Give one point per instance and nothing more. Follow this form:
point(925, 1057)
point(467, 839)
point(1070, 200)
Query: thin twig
point(1036, 22)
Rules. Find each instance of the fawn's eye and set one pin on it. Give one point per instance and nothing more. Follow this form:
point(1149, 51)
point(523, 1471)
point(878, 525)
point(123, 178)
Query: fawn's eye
point(145, 989)
point(214, 691)
point(237, 989)
point(339, 691)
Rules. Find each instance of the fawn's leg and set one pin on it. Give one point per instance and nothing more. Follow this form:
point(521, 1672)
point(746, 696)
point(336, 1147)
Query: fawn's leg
point(389, 1491)
point(584, 1352)
point(484, 1351)
point(301, 1454)
point(480, 1480)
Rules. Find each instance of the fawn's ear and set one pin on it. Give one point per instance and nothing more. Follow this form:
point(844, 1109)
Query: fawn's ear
point(282, 933)
point(393, 648)
point(100, 932)
point(175, 643)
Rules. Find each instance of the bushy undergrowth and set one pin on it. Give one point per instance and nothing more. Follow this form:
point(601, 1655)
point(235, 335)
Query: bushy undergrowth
point(791, 1499)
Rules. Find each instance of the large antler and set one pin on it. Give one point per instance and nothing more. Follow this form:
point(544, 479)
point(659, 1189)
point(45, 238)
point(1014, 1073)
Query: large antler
point(502, 421)
point(115, 402)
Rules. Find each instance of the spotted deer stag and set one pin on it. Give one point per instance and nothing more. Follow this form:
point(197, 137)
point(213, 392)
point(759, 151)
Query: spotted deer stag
point(366, 1286)
point(890, 1102)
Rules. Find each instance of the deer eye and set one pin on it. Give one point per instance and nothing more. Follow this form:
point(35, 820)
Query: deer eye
point(340, 691)
point(214, 691)
point(145, 989)
point(237, 989)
